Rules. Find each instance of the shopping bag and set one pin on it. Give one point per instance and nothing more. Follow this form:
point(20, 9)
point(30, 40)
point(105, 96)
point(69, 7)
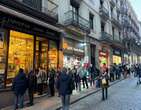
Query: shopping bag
point(104, 81)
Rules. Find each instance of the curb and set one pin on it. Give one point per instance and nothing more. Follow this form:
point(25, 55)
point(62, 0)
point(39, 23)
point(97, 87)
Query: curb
point(96, 91)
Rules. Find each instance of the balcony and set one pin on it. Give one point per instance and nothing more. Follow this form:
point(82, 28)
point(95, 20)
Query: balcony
point(50, 9)
point(35, 11)
point(75, 20)
point(105, 37)
point(113, 3)
point(115, 21)
point(104, 13)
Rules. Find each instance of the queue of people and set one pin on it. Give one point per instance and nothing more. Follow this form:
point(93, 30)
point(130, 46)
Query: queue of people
point(65, 80)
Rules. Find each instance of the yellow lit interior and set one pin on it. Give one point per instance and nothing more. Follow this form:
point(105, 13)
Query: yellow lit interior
point(20, 53)
point(116, 59)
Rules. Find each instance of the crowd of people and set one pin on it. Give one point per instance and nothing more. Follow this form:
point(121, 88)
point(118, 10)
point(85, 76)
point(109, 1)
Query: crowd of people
point(65, 80)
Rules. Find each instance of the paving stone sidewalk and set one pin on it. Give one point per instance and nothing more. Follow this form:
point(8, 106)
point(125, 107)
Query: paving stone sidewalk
point(54, 103)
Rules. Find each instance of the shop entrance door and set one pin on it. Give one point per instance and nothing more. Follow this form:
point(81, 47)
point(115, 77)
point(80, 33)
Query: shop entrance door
point(42, 53)
point(20, 54)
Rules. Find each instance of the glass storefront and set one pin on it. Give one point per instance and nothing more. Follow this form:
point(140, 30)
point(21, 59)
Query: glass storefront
point(117, 59)
point(73, 53)
point(41, 53)
point(21, 54)
point(53, 55)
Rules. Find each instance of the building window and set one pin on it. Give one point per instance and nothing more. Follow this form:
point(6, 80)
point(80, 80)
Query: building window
point(53, 55)
point(37, 4)
point(102, 26)
point(91, 19)
point(113, 32)
point(21, 47)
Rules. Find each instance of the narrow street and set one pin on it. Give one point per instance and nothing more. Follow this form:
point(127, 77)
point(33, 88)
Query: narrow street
point(125, 95)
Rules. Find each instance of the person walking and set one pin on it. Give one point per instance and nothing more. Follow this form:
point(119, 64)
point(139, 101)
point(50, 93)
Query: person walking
point(19, 87)
point(65, 88)
point(31, 86)
point(104, 84)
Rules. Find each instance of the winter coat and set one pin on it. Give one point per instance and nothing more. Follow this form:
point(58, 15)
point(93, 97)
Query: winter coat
point(31, 81)
point(20, 84)
point(64, 84)
point(105, 75)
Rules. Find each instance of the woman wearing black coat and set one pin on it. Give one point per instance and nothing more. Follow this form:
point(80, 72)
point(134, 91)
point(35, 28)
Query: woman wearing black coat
point(19, 87)
point(65, 87)
point(104, 84)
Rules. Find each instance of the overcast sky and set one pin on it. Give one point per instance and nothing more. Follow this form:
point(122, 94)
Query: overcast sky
point(137, 7)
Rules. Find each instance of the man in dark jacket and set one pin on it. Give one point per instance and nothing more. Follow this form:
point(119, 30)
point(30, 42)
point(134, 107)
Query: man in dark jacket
point(19, 87)
point(31, 86)
point(52, 82)
point(65, 87)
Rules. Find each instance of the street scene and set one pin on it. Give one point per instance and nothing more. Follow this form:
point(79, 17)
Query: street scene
point(122, 96)
point(70, 54)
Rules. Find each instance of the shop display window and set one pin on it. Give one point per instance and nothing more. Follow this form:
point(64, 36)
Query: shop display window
point(42, 53)
point(21, 47)
point(2, 59)
point(116, 59)
point(53, 54)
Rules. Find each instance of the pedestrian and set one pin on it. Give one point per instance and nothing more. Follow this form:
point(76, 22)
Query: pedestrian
point(31, 86)
point(52, 82)
point(65, 88)
point(40, 81)
point(74, 72)
point(19, 87)
point(84, 78)
point(104, 84)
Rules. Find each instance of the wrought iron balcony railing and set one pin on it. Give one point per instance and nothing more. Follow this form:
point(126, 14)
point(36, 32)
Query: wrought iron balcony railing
point(74, 19)
point(104, 12)
point(106, 37)
point(50, 9)
point(115, 21)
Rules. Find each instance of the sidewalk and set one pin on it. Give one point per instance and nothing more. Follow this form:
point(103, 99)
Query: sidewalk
point(53, 103)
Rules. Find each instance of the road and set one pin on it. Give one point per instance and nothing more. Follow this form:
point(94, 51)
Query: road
point(125, 95)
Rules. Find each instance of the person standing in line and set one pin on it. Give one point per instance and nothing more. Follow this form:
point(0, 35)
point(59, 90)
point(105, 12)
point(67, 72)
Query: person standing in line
point(19, 87)
point(31, 86)
point(84, 78)
point(52, 82)
point(40, 81)
point(65, 88)
point(104, 84)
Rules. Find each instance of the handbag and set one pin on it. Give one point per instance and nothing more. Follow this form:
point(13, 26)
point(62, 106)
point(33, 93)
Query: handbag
point(104, 81)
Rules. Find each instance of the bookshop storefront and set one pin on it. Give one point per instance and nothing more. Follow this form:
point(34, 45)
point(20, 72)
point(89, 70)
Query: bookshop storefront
point(25, 45)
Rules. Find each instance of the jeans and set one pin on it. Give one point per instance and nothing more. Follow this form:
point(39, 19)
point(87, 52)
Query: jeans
point(104, 93)
point(31, 96)
point(19, 100)
point(65, 102)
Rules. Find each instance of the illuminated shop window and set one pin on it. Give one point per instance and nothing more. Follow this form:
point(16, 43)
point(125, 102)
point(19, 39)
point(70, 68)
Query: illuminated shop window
point(53, 55)
point(20, 53)
point(41, 53)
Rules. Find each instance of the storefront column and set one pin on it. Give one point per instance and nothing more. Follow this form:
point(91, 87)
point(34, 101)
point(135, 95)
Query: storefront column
point(87, 57)
point(61, 56)
point(7, 35)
